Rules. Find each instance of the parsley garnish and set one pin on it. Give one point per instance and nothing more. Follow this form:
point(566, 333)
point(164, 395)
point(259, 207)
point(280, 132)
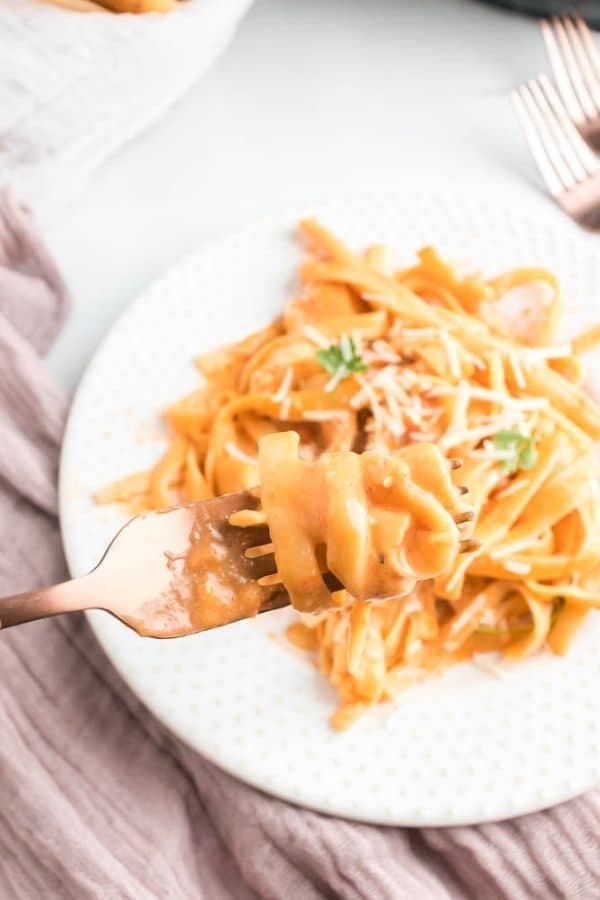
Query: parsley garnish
point(341, 360)
point(519, 449)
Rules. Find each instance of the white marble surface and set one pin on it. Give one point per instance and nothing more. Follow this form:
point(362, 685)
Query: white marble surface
point(314, 98)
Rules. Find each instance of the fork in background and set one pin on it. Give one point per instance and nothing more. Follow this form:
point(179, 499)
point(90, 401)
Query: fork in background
point(566, 163)
point(575, 61)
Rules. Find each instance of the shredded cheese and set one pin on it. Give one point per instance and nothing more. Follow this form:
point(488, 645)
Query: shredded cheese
point(467, 614)
point(234, 451)
point(483, 662)
point(451, 351)
point(284, 388)
point(512, 488)
point(373, 402)
point(542, 353)
point(474, 435)
point(515, 365)
point(516, 567)
point(314, 335)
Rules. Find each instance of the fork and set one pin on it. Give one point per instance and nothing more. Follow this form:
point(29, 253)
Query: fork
point(565, 161)
point(145, 578)
point(182, 570)
point(575, 61)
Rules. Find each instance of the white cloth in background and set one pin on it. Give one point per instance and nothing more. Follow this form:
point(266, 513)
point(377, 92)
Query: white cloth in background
point(75, 86)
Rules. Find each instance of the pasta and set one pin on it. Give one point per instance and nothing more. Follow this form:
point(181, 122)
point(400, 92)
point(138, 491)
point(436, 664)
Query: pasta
point(378, 522)
point(373, 373)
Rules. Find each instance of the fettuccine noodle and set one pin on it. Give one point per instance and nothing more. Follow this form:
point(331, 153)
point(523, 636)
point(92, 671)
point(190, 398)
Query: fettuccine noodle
point(386, 364)
point(378, 522)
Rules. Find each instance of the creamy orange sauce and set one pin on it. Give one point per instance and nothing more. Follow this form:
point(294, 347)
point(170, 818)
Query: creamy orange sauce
point(438, 356)
point(220, 591)
point(206, 580)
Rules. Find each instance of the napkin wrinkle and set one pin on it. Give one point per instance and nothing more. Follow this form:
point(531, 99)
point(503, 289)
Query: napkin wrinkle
point(33, 295)
point(84, 644)
point(98, 801)
point(109, 807)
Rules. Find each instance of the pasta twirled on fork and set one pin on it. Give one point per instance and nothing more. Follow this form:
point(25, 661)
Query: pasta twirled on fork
point(378, 522)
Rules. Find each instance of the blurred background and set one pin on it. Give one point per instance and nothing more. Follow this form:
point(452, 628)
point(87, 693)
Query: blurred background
point(311, 99)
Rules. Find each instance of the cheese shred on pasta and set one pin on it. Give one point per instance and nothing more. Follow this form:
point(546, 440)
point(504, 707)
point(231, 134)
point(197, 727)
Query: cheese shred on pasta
point(386, 364)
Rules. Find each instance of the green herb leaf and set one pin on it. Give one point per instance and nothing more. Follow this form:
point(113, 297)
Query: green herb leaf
point(519, 448)
point(341, 360)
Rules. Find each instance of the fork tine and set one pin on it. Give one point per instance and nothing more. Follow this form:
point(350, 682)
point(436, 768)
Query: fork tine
point(578, 146)
point(529, 118)
point(561, 75)
point(585, 35)
point(583, 74)
point(572, 67)
point(556, 133)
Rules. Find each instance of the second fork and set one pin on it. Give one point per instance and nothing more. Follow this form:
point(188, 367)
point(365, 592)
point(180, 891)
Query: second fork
point(567, 165)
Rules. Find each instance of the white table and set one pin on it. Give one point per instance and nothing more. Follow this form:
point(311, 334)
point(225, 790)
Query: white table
point(314, 98)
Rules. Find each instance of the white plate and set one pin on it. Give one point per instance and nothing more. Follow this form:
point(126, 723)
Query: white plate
point(463, 748)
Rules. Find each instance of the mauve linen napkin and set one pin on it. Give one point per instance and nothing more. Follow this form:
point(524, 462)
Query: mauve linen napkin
point(97, 801)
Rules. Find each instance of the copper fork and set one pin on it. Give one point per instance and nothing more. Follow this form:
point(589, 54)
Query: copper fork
point(181, 570)
point(144, 580)
point(566, 163)
point(575, 61)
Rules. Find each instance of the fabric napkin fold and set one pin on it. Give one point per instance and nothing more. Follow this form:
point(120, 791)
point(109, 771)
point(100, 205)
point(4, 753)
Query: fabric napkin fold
point(99, 802)
point(76, 86)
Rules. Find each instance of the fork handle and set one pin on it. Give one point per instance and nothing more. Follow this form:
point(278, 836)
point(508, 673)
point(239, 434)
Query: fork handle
point(70, 596)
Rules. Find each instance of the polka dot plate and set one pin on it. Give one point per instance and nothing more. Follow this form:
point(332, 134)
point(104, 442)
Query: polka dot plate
point(465, 747)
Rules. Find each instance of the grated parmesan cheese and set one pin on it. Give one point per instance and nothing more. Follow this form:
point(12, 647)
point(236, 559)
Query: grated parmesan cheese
point(511, 488)
point(451, 351)
point(475, 435)
point(467, 614)
point(418, 334)
point(414, 647)
point(284, 388)
point(314, 335)
point(516, 567)
point(359, 399)
point(395, 412)
point(515, 364)
point(373, 401)
point(407, 377)
point(236, 453)
point(541, 353)
point(459, 414)
point(381, 351)
point(395, 427)
point(514, 547)
point(419, 437)
point(483, 662)
point(475, 360)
